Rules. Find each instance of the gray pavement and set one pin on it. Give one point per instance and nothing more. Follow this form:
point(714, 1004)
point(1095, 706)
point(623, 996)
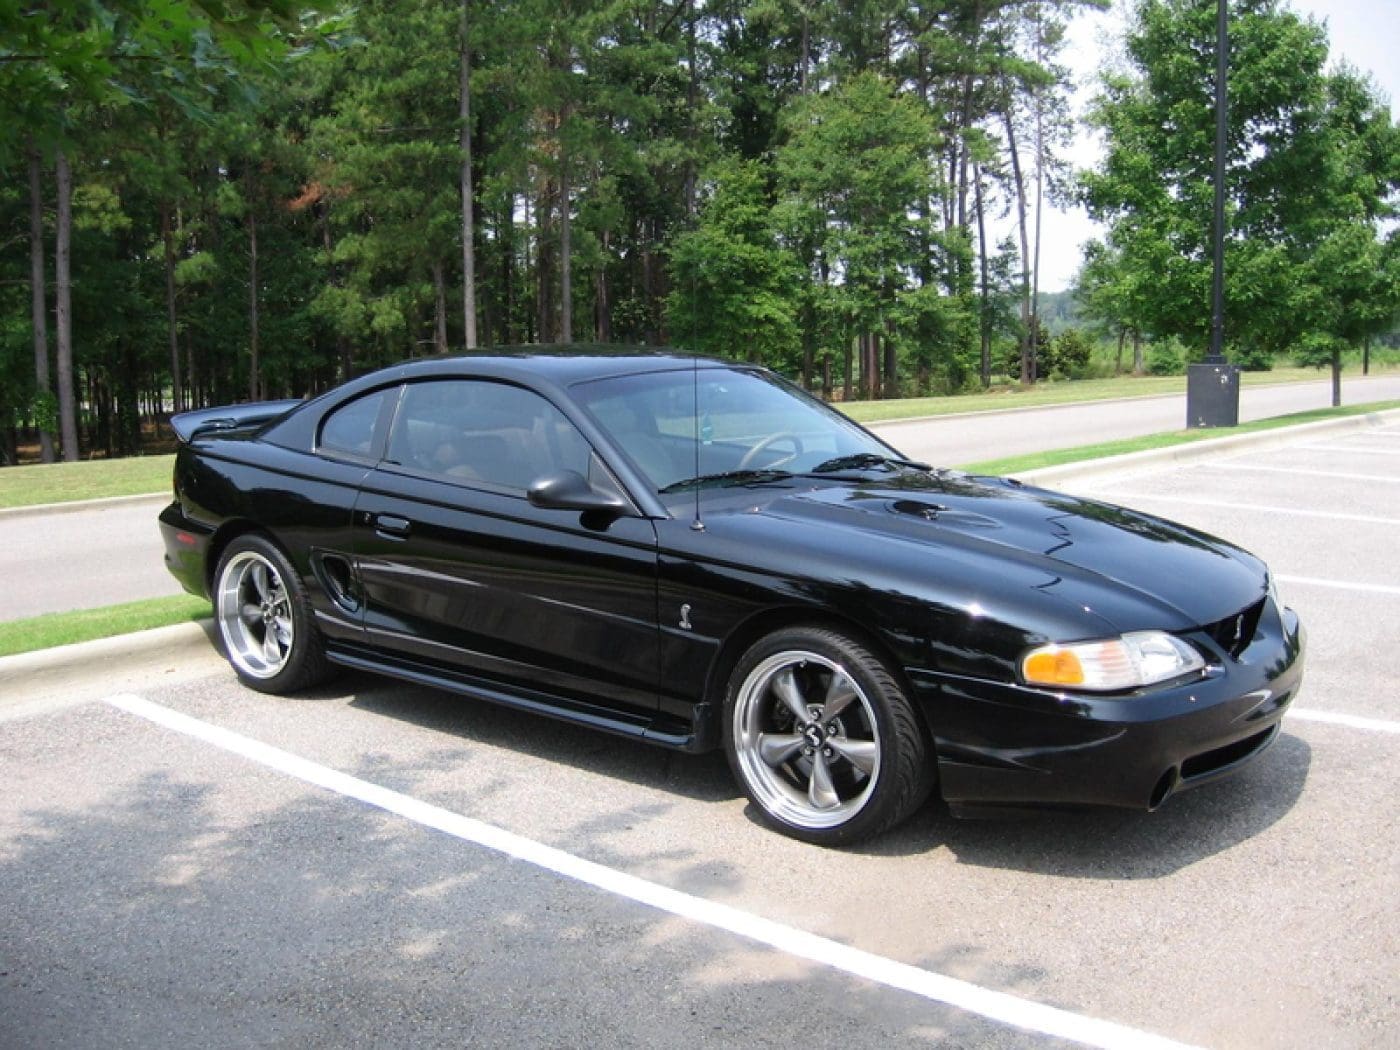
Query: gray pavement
point(160, 891)
point(110, 553)
point(955, 440)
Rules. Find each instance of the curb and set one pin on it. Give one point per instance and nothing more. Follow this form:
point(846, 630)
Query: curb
point(48, 673)
point(78, 505)
point(1153, 459)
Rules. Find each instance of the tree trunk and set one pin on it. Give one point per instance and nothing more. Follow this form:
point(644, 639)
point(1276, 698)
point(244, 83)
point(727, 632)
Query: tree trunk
point(254, 378)
point(1336, 377)
point(692, 105)
point(984, 318)
point(1366, 356)
point(63, 313)
point(1039, 195)
point(254, 383)
point(172, 332)
point(439, 308)
point(891, 384)
point(848, 378)
point(544, 269)
point(603, 321)
point(468, 219)
point(508, 270)
point(566, 271)
point(39, 308)
point(1027, 335)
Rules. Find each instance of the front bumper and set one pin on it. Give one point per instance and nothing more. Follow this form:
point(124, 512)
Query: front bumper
point(1001, 745)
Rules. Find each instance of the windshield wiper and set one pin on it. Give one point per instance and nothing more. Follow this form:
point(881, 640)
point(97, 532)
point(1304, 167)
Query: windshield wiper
point(866, 460)
point(729, 477)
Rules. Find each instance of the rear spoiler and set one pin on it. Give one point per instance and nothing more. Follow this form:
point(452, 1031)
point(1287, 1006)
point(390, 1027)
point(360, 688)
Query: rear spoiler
point(190, 425)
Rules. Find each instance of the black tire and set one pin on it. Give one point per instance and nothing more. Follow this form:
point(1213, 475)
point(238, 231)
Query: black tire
point(265, 619)
point(830, 779)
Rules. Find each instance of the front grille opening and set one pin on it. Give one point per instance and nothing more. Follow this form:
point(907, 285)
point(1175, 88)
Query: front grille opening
point(1222, 757)
point(1234, 633)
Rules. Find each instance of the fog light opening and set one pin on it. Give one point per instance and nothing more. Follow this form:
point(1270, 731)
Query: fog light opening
point(1165, 786)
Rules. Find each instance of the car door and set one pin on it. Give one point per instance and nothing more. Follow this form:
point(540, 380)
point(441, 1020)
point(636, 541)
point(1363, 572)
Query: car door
point(460, 572)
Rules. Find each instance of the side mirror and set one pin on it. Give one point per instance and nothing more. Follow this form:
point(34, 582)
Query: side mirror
point(570, 490)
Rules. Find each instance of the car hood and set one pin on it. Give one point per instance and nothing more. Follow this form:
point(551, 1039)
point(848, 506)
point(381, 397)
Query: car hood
point(1132, 570)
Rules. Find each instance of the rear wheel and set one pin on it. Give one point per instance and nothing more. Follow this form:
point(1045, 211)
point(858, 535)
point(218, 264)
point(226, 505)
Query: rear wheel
point(822, 737)
point(265, 619)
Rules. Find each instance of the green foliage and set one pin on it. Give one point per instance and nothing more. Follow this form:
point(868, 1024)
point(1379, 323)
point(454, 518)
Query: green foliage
point(268, 197)
point(1311, 155)
point(734, 284)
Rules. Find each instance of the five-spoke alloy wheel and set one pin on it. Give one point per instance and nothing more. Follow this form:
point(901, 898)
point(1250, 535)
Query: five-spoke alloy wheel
point(822, 737)
point(264, 618)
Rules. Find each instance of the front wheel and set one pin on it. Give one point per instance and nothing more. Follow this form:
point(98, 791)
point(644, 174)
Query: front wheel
point(822, 737)
point(265, 619)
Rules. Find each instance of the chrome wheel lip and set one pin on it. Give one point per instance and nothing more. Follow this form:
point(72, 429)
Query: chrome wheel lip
point(771, 786)
point(253, 608)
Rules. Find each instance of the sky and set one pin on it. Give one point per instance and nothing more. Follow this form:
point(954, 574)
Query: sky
point(1366, 33)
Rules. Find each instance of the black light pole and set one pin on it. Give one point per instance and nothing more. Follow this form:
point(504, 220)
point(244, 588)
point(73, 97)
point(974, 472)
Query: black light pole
point(1213, 387)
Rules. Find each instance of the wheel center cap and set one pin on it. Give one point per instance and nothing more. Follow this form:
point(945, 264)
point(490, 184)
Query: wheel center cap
point(814, 735)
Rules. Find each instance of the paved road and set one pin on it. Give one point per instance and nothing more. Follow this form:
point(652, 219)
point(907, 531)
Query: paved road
point(159, 890)
point(953, 440)
point(87, 559)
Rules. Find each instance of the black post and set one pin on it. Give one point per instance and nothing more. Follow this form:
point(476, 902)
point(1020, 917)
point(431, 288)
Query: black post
point(1213, 388)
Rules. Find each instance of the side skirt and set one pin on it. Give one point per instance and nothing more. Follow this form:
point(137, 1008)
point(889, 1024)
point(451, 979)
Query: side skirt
point(659, 729)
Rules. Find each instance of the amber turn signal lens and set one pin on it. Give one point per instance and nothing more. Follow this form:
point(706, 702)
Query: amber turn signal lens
point(1054, 667)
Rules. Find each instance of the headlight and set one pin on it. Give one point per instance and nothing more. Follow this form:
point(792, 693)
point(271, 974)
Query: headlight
point(1134, 660)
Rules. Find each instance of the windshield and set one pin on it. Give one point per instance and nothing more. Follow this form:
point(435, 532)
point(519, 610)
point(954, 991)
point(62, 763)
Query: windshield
point(749, 424)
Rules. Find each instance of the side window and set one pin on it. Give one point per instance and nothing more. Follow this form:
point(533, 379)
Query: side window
point(477, 431)
point(352, 428)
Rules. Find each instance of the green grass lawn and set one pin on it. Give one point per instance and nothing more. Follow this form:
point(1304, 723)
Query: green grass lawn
point(1057, 457)
point(45, 632)
point(1049, 392)
point(92, 479)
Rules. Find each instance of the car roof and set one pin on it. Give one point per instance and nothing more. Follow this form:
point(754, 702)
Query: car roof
point(536, 366)
point(563, 364)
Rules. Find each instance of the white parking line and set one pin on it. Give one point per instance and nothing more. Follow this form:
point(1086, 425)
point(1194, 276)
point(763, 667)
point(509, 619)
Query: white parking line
point(1337, 475)
point(1372, 725)
point(1352, 448)
point(1340, 585)
point(994, 1005)
point(1125, 497)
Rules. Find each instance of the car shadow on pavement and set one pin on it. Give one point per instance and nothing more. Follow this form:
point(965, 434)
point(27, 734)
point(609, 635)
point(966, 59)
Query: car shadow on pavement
point(1120, 844)
point(704, 778)
point(1089, 843)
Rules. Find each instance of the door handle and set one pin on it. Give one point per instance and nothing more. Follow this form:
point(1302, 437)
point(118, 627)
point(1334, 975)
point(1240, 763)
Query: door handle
point(392, 527)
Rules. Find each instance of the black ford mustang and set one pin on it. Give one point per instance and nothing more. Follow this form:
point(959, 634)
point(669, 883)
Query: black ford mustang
point(696, 554)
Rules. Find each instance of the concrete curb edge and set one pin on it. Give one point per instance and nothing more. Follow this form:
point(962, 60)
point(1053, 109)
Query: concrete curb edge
point(1154, 459)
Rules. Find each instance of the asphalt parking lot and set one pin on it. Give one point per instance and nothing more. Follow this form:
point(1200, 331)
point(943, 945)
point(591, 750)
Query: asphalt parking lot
point(373, 864)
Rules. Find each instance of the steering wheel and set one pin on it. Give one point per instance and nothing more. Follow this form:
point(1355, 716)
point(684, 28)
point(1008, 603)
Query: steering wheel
point(746, 461)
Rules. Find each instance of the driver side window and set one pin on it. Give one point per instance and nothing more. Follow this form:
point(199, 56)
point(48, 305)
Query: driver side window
point(475, 431)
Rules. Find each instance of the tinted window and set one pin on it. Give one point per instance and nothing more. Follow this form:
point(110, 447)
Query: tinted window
point(471, 430)
point(352, 428)
point(742, 419)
